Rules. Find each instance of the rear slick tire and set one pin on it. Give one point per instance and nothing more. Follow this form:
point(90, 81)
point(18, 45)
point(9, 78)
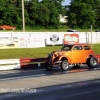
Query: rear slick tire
point(92, 62)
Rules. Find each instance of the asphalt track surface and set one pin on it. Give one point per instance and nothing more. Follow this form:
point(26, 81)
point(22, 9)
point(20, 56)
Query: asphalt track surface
point(75, 84)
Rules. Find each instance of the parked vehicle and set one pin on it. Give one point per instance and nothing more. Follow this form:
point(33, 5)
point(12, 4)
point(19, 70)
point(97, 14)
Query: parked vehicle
point(97, 31)
point(7, 27)
point(71, 30)
point(72, 54)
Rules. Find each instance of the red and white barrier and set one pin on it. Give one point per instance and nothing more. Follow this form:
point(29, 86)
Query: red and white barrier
point(32, 62)
point(8, 64)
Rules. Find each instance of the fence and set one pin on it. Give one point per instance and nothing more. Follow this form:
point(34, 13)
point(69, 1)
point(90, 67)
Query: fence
point(41, 39)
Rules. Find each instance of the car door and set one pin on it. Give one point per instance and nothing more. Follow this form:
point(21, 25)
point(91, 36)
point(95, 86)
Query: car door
point(77, 54)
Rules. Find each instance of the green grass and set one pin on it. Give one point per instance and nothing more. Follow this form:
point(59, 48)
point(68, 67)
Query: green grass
point(35, 52)
point(96, 48)
point(27, 52)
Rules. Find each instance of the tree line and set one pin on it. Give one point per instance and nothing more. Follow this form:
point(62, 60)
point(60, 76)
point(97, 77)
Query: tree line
point(83, 13)
point(38, 14)
point(45, 13)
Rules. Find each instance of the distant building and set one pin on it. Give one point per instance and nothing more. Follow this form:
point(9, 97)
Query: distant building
point(63, 19)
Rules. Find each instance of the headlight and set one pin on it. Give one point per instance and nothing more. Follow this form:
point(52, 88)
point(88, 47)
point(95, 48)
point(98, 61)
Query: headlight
point(56, 55)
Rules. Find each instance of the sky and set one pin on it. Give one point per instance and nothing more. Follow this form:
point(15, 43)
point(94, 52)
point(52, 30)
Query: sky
point(67, 2)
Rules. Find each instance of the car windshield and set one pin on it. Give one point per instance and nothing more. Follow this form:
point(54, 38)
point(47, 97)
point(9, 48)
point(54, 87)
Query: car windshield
point(67, 48)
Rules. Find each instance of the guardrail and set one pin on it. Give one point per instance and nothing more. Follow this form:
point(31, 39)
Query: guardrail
point(32, 62)
point(25, 63)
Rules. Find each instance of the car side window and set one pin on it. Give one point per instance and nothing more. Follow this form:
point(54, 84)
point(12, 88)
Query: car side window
point(67, 48)
point(86, 48)
point(77, 48)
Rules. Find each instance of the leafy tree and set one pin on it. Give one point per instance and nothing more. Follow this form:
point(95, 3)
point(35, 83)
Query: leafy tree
point(97, 11)
point(2, 10)
point(82, 13)
point(54, 15)
point(32, 12)
point(43, 16)
point(9, 13)
point(55, 8)
point(38, 14)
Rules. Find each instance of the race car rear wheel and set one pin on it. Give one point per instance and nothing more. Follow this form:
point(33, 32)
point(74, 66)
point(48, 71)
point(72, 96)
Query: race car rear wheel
point(92, 62)
point(64, 65)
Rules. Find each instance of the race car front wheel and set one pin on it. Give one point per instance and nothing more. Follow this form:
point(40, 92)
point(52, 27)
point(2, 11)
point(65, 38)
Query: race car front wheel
point(48, 66)
point(64, 65)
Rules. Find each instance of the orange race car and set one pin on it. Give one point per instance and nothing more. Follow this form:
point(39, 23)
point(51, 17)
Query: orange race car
point(72, 54)
point(7, 27)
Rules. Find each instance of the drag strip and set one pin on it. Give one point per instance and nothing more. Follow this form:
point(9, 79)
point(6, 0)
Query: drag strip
point(31, 73)
point(87, 90)
point(50, 85)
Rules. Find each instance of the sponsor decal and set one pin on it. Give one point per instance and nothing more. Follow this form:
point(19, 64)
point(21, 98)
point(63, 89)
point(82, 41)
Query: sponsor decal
point(71, 38)
point(54, 38)
point(22, 42)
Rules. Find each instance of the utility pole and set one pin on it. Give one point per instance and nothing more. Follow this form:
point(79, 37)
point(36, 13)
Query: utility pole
point(23, 16)
point(91, 35)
